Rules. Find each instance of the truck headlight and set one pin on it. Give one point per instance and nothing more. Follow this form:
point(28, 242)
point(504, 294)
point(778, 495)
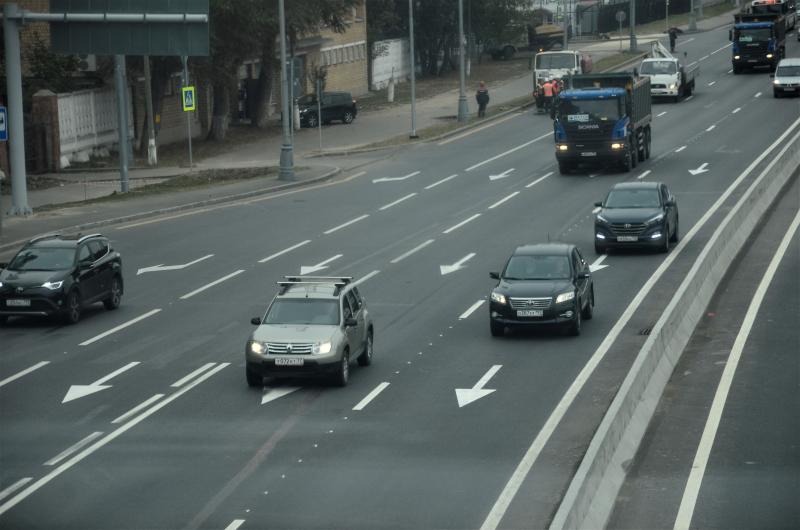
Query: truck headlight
point(775, 82)
point(562, 147)
point(769, 56)
point(736, 57)
point(321, 348)
point(499, 298)
point(617, 145)
point(53, 286)
point(565, 297)
point(258, 347)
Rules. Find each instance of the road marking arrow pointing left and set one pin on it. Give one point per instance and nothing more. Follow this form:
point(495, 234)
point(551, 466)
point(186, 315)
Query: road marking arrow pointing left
point(701, 169)
point(502, 175)
point(465, 396)
point(596, 266)
point(79, 391)
point(162, 267)
point(319, 266)
point(458, 265)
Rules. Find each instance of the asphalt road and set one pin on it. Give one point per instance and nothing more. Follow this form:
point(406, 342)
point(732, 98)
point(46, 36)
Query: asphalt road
point(178, 440)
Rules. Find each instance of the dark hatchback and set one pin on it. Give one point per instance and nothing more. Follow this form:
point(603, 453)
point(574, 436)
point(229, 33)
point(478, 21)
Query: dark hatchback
point(547, 283)
point(57, 275)
point(340, 106)
point(636, 214)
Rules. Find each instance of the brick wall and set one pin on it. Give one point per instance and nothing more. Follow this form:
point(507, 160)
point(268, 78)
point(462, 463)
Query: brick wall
point(30, 30)
point(345, 55)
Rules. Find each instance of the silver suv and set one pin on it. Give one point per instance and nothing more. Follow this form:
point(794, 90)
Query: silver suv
point(314, 325)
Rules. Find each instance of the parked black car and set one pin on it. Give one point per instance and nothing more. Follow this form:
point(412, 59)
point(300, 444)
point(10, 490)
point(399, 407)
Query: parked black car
point(339, 106)
point(636, 214)
point(546, 283)
point(57, 275)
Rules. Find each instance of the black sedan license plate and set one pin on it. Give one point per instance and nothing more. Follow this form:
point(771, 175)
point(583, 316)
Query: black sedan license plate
point(530, 313)
point(18, 303)
point(627, 238)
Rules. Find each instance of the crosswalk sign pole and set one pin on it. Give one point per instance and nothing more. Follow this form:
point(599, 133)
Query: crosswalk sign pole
point(188, 115)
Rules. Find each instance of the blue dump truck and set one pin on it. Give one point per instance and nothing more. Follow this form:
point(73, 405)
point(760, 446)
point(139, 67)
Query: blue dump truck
point(603, 119)
point(758, 40)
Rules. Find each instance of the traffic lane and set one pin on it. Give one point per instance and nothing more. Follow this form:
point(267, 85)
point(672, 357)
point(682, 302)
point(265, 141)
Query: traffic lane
point(656, 480)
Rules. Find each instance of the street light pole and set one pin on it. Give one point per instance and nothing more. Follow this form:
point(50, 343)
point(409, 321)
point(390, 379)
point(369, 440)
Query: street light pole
point(286, 171)
point(463, 111)
point(564, 13)
point(633, 26)
point(413, 134)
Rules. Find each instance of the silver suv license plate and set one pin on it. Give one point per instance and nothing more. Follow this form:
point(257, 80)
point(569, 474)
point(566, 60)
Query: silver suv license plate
point(288, 362)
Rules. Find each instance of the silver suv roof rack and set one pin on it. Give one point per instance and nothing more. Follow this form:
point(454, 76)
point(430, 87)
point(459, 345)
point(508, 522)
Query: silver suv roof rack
point(337, 281)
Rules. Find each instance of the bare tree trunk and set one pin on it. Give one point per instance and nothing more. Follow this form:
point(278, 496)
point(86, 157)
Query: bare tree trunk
point(221, 117)
point(264, 87)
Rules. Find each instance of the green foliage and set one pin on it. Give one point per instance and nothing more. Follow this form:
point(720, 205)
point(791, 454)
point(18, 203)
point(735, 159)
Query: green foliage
point(51, 70)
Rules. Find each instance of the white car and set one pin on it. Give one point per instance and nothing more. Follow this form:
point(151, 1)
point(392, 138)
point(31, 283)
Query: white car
point(786, 79)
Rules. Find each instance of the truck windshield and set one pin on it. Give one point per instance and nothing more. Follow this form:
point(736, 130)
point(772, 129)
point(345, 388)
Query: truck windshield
point(765, 9)
point(748, 35)
point(589, 110)
point(658, 67)
point(555, 61)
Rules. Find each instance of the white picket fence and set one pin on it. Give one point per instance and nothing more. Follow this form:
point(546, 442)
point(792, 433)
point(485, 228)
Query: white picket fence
point(87, 120)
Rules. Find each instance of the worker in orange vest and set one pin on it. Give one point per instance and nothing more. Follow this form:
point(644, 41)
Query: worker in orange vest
point(547, 89)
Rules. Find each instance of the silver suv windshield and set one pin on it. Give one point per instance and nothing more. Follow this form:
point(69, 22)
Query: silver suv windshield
point(310, 311)
point(43, 259)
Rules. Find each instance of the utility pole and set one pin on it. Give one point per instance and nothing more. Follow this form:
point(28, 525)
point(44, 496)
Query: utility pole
point(692, 17)
point(122, 120)
point(463, 111)
point(286, 171)
point(633, 26)
point(152, 153)
point(413, 134)
point(564, 14)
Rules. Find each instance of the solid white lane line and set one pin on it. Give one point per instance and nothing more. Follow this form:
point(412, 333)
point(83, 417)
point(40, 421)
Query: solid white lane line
point(681, 148)
point(719, 50)
point(120, 327)
point(534, 450)
point(372, 395)
point(712, 83)
point(348, 223)
point(14, 487)
point(144, 404)
point(429, 186)
point(501, 201)
point(212, 284)
point(365, 277)
point(115, 373)
point(659, 115)
point(691, 64)
point(398, 201)
point(235, 524)
point(537, 181)
point(284, 251)
point(478, 129)
point(192, 375)
point(471, 310)
point(66, 452)
point(758, 95)
point(501, 155)
point(23, 373)
point(711, 128)
point(110, 437)
point(400, 258)
point(643, 175)
point(462, 223)
point(693, 483)
point(703, 58)
point(737, 109)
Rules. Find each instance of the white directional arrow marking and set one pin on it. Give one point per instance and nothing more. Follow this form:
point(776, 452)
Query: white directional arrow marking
point(276, 393)
point(596, 265)
point(395, 179)
point(502, 175)
point(465, 396)
point(458, 265)
point(162, 267)
point(319, 266)
point(79, 391)
point(701, 169)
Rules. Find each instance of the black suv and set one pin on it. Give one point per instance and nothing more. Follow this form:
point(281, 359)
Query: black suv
point(335, 106)
point(59, 275)
point(546, 283)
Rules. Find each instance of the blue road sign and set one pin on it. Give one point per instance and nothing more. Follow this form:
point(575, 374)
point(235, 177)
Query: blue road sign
point(3, 124)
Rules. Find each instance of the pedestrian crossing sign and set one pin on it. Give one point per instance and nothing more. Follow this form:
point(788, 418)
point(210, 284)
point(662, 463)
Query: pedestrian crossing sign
point(189, 99)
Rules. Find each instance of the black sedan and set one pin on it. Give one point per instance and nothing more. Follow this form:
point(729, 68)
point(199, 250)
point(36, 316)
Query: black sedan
point(547, 283)
point(636, 214)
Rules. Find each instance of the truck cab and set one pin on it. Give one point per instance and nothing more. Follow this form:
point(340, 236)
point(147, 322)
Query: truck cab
point(758, 40)
point(668, 77)
point(783, 8)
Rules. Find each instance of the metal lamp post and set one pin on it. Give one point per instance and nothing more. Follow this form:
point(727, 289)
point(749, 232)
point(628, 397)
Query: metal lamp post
point(286, 171)
point(692, 17)
point(633, 26)
point(413, 134)
point(463, 111)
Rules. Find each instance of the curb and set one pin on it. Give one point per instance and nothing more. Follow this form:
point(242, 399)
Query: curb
point(593, 490)
point(187, 206)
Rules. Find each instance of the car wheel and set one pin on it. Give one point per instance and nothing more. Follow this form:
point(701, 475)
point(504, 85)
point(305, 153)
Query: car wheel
point(600, 249)
point(496, 328)
point(641, 151)
point(674, 237)
point(665, 239)
point(342, 375)
point(627, 165)
point(588, 311)
point(575, 326)
point(647, 143)
point(253, 378)
point(72, 313)
point(365, 359)
point(115, 296)
point(311, 121)
point(634, 155)
point(348, 117)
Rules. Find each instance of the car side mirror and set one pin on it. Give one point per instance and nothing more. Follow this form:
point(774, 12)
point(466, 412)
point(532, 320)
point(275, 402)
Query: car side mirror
point(256, 321)
point(494, 275)
point(582, 275)
point(599, 203)
point(670, 202)
point(350, 322)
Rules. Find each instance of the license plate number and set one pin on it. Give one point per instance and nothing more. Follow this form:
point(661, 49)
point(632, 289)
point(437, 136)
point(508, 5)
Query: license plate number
point(589, 153)
point(627, 238)
point(789, 89)
point(752, 60)
point(530, 313)
point(288, 362)
point(18, 303)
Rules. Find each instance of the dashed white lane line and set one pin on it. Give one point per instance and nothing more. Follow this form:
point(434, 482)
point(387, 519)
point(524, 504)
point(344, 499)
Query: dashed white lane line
point(661, 114)
point(501, 201)
point(344, 225)
point(758, 95)
point(212, 284)
point(688, 99)
point(681, 43)
point(681, 148)
point(537, 181)
point(143, 405)
point(284, 251)
point(400, 258)
point(730, 71)
point(471, 310)
point(462, 223)
point(720, 49)
point(23, 373)
point(473, 131)
point(703, 58)
point(14, 487)
point(366, 277)
point(737, 109)
point(430, 186)
point(643, 175)
point(110, 437)
point(691, 64)
point(66, 452)
point(372, 395)
point(183, 380)
point(235, 524)
point(512, 150)
point(398, 201)
point(120, 327)
point(712, 83)
point(711, 128)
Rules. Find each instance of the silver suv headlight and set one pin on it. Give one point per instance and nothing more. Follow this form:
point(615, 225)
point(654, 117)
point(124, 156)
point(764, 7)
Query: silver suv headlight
point(257, 347)
point(565, 297)
point(499, 298)
point(321, 348)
